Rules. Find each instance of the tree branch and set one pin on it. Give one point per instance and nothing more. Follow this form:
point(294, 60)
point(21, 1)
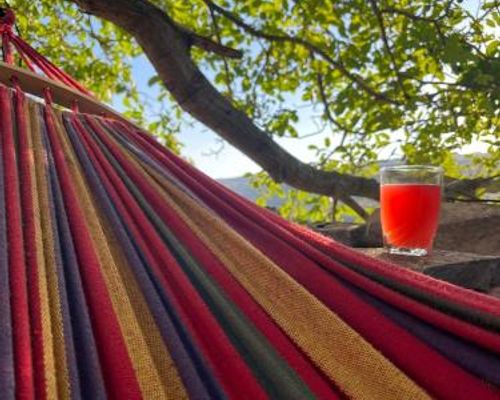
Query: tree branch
point(313, 48)
point(213, 47)
point(474, 200)
point(414, 17)
point(385, 40)
point(224, 59)
point(326, 108)
point(407, 14)
point(192, 38)
point(468, 187)
point(168, 50)
point(355, 206)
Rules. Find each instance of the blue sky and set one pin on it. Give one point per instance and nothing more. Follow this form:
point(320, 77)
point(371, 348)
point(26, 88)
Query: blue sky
point(229, 162)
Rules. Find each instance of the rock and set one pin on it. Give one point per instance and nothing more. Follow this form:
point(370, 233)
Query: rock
point(348, 234)
point(466, 227)
point(470, 227)
point(373, 230)
point(495, 292)
point(353, 235)
point(468, 270)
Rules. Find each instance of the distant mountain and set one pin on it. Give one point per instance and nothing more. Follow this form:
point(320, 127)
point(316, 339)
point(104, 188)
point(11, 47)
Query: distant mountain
point(242, 186)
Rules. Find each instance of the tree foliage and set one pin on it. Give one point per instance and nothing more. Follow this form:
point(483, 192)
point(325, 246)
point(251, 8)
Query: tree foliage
point(419, 77)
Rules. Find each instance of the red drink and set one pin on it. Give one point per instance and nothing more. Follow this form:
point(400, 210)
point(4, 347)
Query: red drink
point(410, 213)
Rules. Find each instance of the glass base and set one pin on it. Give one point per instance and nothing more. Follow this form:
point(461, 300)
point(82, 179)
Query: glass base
point(402, 251)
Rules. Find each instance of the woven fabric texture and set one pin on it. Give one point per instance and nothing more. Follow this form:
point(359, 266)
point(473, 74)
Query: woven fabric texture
point(125, 273)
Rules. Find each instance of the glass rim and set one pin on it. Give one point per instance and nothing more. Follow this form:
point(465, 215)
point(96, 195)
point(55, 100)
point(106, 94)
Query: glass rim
point(412, 168)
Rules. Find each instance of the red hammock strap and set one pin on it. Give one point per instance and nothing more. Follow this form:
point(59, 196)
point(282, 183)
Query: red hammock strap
point(47, 94)
point(33, 59)
point(74, 106)
point(46, 66)
point(6, 22)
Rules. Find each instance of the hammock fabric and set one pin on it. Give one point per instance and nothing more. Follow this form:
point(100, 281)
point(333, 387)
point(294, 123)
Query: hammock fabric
point(126, 273)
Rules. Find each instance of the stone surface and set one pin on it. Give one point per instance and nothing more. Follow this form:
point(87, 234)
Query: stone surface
point(470, 227)
point(468, 270)
point(466, 227)
point(467, 235)
point(349, 234)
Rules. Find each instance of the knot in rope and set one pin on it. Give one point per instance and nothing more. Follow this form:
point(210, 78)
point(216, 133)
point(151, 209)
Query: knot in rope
point(7, 20)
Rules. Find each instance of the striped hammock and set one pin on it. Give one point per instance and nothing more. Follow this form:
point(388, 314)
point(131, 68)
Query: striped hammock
point(125, 273)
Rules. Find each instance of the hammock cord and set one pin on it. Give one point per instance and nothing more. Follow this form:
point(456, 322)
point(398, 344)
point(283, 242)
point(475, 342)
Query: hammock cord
point(33, 59)
point(7, 20)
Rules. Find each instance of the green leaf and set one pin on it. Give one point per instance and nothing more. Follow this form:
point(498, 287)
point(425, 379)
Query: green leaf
point(153, 80)
point(454, 51)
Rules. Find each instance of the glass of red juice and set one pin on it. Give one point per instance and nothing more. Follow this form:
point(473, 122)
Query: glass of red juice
point(410, 199)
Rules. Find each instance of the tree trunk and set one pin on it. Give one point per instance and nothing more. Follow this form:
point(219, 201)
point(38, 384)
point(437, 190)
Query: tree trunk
point(168, 48)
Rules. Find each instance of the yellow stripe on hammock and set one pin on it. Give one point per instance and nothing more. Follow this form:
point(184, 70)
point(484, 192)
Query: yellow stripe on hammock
point(153, 366)
point(54, 349)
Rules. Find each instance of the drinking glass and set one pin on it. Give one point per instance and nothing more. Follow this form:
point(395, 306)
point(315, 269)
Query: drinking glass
point(410, 198)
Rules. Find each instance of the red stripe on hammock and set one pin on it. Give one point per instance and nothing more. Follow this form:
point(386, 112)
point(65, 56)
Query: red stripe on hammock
point(231, 371)
point(120, 379)
point(17, 268)
point(25, 163)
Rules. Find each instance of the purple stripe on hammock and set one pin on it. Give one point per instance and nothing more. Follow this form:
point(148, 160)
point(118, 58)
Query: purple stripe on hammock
point(470, 357)
point(82, 360)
